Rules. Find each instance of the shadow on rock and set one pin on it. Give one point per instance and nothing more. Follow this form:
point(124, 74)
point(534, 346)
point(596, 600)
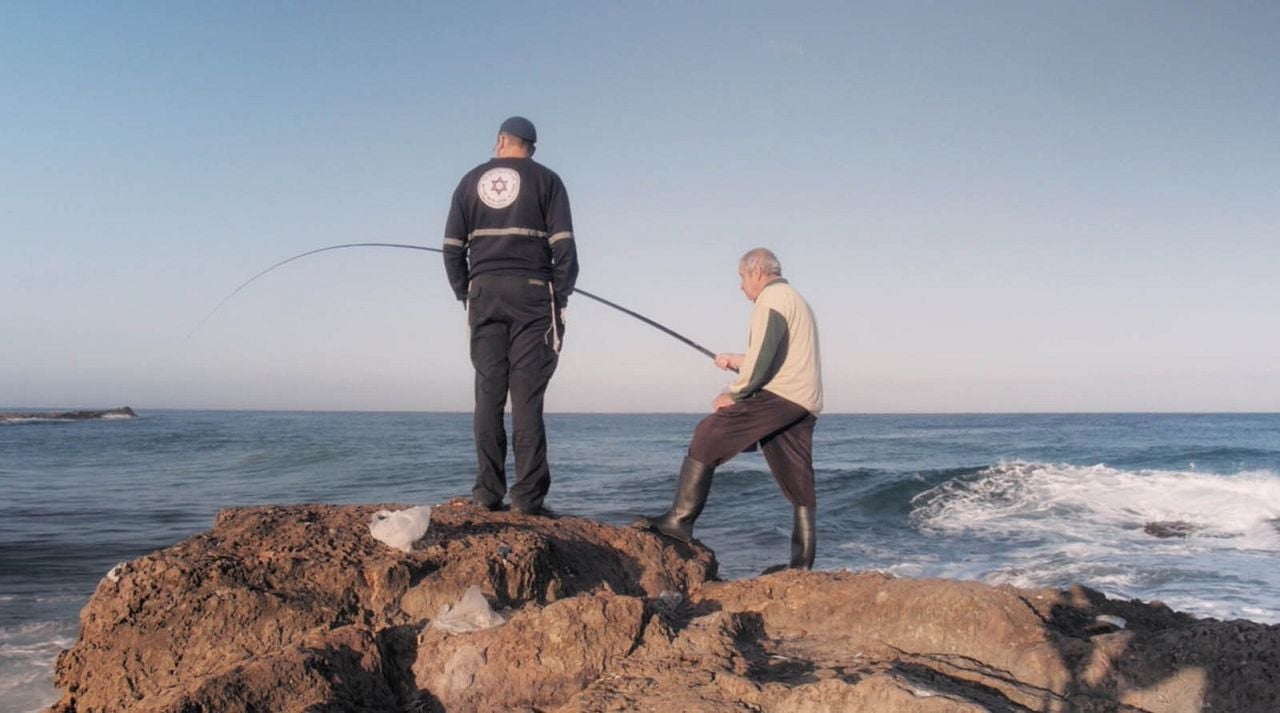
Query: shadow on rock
point(1130, 656)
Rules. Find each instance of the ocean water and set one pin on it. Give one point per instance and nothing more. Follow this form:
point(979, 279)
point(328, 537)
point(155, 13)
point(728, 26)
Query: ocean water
point(1030, 500)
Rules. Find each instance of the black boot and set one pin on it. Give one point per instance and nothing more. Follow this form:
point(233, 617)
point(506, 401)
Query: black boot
point(803, 541)
point(691, 495)
point(804, 544)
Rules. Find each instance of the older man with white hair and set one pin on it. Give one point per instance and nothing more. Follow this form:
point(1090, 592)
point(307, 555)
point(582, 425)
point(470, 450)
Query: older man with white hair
point(774, 402)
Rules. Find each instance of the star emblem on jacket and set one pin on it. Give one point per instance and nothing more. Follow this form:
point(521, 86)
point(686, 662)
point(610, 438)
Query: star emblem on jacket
point(499, 187)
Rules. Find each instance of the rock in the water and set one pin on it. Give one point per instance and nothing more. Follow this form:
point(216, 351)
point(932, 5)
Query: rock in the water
point(1169, 528)
point(300, 609)
point(124, 412)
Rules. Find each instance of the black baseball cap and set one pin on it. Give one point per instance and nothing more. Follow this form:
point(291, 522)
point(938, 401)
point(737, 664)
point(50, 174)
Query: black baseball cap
point(521, 128)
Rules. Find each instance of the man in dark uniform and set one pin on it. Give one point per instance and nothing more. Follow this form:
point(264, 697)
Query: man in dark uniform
point(510, 256)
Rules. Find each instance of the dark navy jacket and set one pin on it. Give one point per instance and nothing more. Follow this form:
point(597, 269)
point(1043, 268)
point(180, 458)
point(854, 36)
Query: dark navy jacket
point(510, 216)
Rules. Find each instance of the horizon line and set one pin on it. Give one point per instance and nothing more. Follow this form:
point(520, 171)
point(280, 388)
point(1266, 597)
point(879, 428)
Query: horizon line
point(1170, 412)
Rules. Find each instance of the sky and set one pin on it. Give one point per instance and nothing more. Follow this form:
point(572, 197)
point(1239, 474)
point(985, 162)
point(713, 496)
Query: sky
point(990, 206)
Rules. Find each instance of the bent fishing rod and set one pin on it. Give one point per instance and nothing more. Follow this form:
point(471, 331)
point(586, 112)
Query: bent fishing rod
point(576, 290)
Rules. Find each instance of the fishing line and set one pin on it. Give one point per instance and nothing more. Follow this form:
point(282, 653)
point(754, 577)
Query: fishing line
point(577, 291)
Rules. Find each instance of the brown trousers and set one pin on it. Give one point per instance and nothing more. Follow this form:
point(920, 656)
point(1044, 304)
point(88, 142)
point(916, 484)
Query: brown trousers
point(784, 431)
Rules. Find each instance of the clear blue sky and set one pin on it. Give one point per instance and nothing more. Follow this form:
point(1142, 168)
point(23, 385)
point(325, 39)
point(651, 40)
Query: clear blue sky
point(991, 206)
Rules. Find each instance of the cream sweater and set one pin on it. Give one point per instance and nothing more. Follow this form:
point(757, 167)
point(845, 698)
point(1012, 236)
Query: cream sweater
point(782, 349)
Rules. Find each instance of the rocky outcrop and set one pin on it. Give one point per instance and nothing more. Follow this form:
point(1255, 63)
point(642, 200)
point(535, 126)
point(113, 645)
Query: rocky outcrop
point(846, 641)
point(300, 609)
point(124, 412)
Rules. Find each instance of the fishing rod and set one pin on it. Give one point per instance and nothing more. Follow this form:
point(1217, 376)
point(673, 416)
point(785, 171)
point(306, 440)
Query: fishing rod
point(577, 290)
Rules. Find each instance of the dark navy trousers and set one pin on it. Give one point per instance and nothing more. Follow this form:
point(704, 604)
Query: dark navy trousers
point(515, 338)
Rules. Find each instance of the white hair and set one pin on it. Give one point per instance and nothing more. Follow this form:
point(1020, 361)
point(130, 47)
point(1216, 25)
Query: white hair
point(762, 259)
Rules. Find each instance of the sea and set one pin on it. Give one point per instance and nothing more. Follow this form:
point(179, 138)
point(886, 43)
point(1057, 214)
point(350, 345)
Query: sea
point(1180, 508)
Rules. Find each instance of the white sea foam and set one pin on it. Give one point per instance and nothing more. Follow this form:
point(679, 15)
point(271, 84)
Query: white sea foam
point(906, 569)
point(39, 630)
point(1032, 574)
point(27, 654)
point(1043, 525)
point(1103, 504)
point(23, 419)
point(1257, 613)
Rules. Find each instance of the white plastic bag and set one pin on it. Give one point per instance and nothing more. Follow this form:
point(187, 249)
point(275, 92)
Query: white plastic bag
point(471, 613)
point(400, 528)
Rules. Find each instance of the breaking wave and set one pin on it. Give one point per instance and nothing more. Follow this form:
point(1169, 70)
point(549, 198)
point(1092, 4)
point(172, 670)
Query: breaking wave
point(1100, 503)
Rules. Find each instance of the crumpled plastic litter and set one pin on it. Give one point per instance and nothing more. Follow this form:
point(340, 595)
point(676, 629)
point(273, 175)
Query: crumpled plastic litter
point(1111, 620)
point(116, 572)
point(400, 528)
point(471, 613)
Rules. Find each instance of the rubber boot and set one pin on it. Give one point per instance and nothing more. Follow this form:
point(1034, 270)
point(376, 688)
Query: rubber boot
point(691, 494)
point(803, 541)
point(804, 545)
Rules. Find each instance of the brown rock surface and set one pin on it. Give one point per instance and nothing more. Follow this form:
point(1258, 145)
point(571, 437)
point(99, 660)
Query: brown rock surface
point(300, 609)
